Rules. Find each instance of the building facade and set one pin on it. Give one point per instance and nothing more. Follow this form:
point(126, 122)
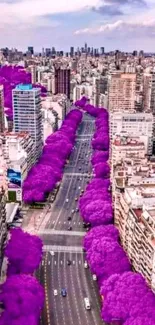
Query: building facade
point(2, 121)
point(27, 114)
point(62, 81)
point(122, 87)
point(133, 124)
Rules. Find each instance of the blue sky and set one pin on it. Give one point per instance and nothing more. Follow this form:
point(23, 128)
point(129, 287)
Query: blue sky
point(115, 24)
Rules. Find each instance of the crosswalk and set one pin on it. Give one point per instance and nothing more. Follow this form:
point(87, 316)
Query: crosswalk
point(55, 248)
point(61, 232)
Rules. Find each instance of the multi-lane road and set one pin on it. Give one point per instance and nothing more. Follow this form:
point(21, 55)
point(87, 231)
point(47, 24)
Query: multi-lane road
point(65, 244)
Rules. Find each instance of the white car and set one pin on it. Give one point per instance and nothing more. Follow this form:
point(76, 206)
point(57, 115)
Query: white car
point(94, 277)
point(52, 253)
point(67, 200)
point(85, 265)
point(55, 292)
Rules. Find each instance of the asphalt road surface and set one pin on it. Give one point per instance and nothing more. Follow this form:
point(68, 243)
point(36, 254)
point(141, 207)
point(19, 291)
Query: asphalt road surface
point(54, 272)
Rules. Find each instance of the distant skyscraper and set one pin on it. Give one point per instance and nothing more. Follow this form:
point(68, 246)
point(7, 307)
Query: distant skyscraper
point(48, 52)
point(72, 51)
point(27, 113)
point(2, 124)
point(102, 50)
point(30, 49)
point(85, 47)
point(62, 81)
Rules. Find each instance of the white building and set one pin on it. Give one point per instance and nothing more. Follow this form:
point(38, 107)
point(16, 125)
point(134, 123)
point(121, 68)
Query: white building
point(83, 90)
point(18, 154)
point(27, 113)
point(133, 124)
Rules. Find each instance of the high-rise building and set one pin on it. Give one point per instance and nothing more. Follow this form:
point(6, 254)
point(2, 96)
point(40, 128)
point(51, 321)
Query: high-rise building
point(122, 91)
point(33, 70)
point(30, 49)
point(134, 124)
point(62, 81)
point(2, 124)
point(102, 50)
point(72, 51)
point(27, 114)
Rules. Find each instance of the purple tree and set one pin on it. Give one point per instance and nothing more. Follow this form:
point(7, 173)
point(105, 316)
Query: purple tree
point(23, 299)
point(24, 252)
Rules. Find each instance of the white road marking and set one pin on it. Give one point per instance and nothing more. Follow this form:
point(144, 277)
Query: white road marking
point(73, 262)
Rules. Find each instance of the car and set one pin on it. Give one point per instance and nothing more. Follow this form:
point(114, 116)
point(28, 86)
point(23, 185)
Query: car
point(82, 191)
point(76, 199)
point(87, 303)
point(70, 228)
point(73, 210)
point(79, 187)
point(63, 292)
point(67, 200)
point(69, 218)
point(55, 292)
point(69, 262)
point(77, 209)
point(85, 265)
point(79, 168)
point(52, 253)
point(94, 277)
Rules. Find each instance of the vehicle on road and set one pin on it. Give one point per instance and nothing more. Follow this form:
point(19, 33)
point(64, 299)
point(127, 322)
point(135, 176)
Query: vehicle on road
point(67, 200)
point(55, 292)
point(77, 209)
point(69, 218)
point(52, 253)
point(94, 277)
point(69, 262)
point(76, 199)
point(79, 187)
point(73, 210)
point(63, 292)
point(82, 191)
point(70, 228)
point(85, 265)
point(87, 303)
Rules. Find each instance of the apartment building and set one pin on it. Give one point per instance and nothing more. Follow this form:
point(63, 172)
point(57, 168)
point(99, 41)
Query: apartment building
point(19, 156)
point(2, 121)
point(133, 124)
point(135, 219)
point(3, 224)
point(62, 81)
point(125, 146)
point(122, 91)
point(27, 114)
point(83, 90)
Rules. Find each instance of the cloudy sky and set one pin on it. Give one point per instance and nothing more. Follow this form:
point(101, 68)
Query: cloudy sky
point(115, 24)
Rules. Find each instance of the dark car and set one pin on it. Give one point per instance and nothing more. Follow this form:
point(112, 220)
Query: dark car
point(64, 292)
point(69, 218)
point(70, 228)
point(69, 262)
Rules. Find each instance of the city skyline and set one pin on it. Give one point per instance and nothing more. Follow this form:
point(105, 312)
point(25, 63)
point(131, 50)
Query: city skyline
point(95, 22)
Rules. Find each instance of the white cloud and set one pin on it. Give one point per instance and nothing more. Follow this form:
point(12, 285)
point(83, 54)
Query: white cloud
point(136, 28)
